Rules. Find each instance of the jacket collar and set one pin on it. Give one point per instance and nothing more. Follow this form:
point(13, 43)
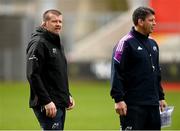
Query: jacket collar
point(138, 34)
point(53, 38)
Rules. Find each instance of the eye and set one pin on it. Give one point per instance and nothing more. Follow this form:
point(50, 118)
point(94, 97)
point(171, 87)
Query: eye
point(152, 20)
point(53, 21)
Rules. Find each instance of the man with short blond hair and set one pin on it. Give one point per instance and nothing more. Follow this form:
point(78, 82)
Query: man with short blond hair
point(47, 73)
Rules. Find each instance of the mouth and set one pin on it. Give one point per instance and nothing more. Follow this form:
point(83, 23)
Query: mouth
point(57, 28)
point(152, 28)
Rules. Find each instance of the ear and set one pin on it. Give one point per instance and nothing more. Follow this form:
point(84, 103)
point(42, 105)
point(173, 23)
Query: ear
point(140, 22)
point(43, 24)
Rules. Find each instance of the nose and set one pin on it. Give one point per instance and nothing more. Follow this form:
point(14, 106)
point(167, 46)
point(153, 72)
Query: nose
point(154, 22)
point(57, 23)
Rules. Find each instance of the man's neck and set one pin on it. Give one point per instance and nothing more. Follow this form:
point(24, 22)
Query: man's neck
point(138, 29)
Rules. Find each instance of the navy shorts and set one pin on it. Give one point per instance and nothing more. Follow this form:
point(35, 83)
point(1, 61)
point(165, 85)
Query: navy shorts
point(141, 118)
point(47, 123)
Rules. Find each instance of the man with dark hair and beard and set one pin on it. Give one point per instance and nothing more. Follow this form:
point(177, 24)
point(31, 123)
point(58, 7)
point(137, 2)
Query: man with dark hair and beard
point(136, 76)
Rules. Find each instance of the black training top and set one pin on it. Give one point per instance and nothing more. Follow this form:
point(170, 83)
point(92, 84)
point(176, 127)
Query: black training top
point(47, 70)
point(135, 76)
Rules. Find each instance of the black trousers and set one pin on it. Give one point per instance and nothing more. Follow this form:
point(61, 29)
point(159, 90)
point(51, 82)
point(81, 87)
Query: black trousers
point(47, 123)
point(141, 118)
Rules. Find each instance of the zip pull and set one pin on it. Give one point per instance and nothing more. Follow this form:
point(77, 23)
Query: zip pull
point(153, 67)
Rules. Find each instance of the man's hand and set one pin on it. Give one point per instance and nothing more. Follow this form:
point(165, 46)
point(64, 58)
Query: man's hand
point(162, 105)
point(121, 108)
point(50, 110)
point(71, 103)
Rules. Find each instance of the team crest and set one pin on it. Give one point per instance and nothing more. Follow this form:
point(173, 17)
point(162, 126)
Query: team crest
point(155, 48)
point(54, 50)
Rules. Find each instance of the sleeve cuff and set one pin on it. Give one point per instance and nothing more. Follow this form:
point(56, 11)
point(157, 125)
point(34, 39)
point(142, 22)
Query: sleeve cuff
point(118, 99)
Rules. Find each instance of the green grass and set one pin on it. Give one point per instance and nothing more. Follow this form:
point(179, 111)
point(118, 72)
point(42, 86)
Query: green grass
point(94, 107)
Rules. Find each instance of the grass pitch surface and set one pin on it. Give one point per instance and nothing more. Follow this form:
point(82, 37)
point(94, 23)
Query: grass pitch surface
point(94, 107)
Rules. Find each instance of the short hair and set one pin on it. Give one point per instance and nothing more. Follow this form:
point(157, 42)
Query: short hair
point(52, 11)
point(141, 13)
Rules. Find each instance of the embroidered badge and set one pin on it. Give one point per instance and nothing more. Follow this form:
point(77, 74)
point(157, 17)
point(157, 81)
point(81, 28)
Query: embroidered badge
point(33, 58)
point(139, 48)
point(154, 48)
point(54, 50)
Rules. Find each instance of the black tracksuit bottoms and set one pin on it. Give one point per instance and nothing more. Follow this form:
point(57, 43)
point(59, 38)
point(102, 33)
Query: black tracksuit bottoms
point(141, 118)
point(47, 123)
